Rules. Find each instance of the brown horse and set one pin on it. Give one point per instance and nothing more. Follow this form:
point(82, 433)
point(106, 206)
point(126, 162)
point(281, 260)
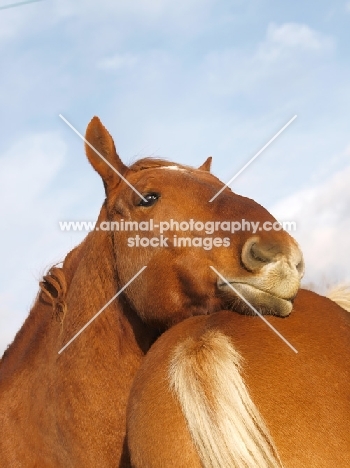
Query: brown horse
point(69, 409)
point(225, 391)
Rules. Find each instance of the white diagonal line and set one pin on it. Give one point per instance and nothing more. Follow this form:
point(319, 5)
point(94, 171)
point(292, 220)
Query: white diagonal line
point(253, 158)
point(101, 310)
point(254, 309)
point(102, 157)
point(13, 5)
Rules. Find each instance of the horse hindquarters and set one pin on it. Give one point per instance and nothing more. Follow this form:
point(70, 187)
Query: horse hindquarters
point(304, 398)
point(189, 405)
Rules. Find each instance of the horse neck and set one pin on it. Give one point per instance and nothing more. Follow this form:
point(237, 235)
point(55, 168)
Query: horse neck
point(99, 365)
point(93, 284)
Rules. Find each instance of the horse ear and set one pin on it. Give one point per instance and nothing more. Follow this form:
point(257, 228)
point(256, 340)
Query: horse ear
point(102, 154)
point(206, 165)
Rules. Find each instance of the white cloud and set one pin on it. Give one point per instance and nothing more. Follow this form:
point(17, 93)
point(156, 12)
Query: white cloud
point(323, 227)
point(293, 36)
point(118, 61)
point(287, 54)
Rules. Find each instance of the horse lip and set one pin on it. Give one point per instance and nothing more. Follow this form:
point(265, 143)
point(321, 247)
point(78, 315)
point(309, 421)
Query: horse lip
point(290, 299)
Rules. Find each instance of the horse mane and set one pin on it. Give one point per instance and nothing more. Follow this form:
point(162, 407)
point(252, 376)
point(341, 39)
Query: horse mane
point(340, 294)
point(152, 163)
point(51, 295)
point(226, 427)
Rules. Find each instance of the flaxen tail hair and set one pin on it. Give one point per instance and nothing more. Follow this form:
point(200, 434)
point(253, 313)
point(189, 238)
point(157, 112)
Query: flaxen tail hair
point(340, 295)
point(223, 421)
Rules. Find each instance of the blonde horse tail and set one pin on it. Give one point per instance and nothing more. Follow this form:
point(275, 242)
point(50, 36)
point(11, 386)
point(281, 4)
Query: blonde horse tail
point(340, 295)
point(224, 423)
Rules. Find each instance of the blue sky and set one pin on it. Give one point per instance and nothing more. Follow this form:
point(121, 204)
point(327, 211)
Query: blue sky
point(182, 80)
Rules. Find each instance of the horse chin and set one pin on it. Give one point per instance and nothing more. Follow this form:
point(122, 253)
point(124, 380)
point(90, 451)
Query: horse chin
point(264, 302)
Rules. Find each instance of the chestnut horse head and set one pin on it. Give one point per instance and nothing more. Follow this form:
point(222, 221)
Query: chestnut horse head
point(265, 266)
point(74, 403)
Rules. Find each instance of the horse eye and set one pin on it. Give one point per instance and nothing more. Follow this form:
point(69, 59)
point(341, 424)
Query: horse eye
point(151, 198)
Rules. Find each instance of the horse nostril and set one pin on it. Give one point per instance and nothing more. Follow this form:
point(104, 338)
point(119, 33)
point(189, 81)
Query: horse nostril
point(257, 253)
point(255, 256)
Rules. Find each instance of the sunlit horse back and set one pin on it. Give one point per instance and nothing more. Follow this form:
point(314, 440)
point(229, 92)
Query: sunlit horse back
point(224, 390)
